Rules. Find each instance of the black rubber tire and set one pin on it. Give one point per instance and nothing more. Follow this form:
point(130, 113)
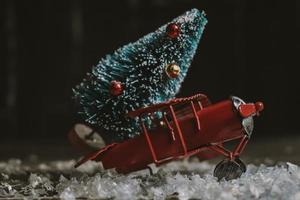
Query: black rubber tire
point(229, 169)
point(242, 164)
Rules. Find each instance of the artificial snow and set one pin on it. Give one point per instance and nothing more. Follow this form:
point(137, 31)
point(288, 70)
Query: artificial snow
point(176, 180)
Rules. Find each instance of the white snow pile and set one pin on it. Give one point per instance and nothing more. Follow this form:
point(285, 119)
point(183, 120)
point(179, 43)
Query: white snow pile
point(176, 180)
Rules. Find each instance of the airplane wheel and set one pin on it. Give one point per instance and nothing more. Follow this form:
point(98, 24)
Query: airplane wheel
point(229, 169)
point(242, 164)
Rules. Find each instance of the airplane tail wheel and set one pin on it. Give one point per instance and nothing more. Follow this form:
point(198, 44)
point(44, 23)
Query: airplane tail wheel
point(85, 139)
point(229, 169)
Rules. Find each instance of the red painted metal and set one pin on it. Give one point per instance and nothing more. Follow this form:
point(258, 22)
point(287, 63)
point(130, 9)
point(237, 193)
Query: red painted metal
point(250, 109)
point(196, 116)
point(239, 149)
point(94, 155)
point(246, 110)
point(220, 122)
point(220, 150)
point(201, 98)
point(259, 107)
point(179, 132)
point(149, 142)
point(171, 130)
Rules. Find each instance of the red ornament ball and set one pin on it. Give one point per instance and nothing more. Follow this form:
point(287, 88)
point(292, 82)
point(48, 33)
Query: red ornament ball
point(173, 30)
point(116, 88)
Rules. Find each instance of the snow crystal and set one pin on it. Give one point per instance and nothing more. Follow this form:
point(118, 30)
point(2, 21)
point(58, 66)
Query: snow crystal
point(187, 179)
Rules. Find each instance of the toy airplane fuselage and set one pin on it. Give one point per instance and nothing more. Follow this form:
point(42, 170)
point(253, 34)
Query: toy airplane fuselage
point(180, 128)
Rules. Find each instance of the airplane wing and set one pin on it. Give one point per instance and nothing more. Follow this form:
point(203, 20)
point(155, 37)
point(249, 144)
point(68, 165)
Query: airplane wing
point(201, 99)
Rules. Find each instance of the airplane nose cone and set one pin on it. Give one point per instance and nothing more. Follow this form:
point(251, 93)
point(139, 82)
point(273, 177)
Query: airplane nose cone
point(259, 106)
point(251, 109)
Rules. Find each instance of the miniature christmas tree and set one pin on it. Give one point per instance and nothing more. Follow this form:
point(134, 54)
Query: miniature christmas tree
point(139, 74)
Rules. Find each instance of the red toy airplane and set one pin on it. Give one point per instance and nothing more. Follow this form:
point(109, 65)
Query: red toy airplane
point(180, 128)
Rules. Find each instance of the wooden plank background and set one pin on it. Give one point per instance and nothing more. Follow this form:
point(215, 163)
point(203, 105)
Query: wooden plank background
point(249, 49)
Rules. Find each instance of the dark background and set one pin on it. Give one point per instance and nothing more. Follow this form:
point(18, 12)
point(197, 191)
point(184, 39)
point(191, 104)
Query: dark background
point(249, 49)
